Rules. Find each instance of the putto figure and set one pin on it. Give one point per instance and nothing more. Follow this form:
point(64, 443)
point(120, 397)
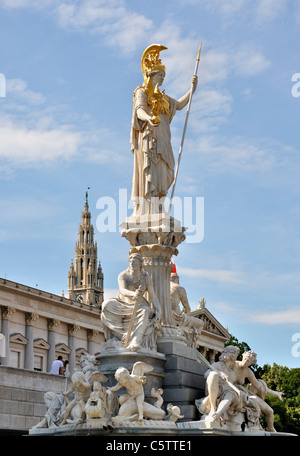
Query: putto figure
point(133, 405)
point(153, 111)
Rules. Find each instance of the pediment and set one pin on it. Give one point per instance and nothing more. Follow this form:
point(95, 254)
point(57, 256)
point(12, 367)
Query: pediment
point(63, 349)
point(18, 338)
point(41, 343)
point(211, 324)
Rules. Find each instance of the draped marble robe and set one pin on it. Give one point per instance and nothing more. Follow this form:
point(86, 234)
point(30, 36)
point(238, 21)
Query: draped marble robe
point(117, 312)
point(153, 171)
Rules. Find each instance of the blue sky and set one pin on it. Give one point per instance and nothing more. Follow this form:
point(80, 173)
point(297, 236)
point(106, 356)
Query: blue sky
point(71, 68)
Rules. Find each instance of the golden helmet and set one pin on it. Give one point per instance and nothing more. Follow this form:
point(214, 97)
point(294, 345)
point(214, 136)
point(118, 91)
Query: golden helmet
point(151, 61)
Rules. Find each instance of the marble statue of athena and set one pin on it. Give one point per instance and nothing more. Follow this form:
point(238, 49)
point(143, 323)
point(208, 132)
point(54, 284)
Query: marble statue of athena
point(153, 111)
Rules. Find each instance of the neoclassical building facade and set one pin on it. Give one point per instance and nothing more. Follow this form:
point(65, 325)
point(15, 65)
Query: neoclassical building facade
point(38, 326)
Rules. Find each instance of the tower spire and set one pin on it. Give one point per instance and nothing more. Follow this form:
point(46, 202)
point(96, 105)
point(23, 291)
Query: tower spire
point(87, 197)
point(84, 285)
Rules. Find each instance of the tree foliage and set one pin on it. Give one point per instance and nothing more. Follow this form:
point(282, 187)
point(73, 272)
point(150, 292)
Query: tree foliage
point(287, 380)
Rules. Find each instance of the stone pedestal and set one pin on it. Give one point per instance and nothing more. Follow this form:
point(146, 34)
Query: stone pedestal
point(156, 237)
point(184, 377)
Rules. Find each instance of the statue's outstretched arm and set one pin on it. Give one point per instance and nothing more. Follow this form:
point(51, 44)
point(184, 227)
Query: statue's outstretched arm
point(181, 103)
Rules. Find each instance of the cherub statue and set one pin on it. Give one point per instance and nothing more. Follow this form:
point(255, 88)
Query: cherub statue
point(82, 391)
point(89, 365)
point(133, 405)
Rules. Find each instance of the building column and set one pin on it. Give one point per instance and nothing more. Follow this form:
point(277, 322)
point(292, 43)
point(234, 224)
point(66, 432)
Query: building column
point(212, 356)
point(30, 318)
point(203, 351)
point(72, 330)
point(91, 346)
point(7, 313)
point(52, 325)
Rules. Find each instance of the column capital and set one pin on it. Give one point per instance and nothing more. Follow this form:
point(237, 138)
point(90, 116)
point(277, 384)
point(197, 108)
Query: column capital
point(91, 334)
point(52, 323)
point(31, 317)
point(7, 312)
point(73, 329)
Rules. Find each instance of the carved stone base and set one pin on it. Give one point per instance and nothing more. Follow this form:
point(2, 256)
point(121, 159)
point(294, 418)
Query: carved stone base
point(230, 422)
point(119, 421)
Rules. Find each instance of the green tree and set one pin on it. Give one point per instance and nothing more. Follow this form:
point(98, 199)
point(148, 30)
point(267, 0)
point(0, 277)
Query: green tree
point(286, 380)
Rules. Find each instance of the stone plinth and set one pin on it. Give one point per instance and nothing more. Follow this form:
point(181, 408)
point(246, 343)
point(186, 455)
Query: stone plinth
point(184, 377)
point(156, 237)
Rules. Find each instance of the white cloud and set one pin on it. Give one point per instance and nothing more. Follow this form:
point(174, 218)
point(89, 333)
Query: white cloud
point(288, 281)
point(117, 25)
point(19, 90)
point(247, 61)
point(33, 132)
point(21, 145)
point(113, 20)
point(210, 107)
point(14, 4)
point(236, 154)
point(268, 10)
point(216, 275)
point(280, 317)
point(261, 11)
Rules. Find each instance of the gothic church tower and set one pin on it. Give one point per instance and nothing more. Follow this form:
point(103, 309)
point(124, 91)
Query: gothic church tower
point(85, 280)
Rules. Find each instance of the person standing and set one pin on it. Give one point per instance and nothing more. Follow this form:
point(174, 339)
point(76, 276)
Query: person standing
point(57, 366)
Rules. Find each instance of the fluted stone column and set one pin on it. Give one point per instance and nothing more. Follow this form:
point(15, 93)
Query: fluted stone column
point(7, 313)
point(156, 238)
point(72, 331)
point(212, 355)
point(30, 318)
point(52, 325)
point(157, 260)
